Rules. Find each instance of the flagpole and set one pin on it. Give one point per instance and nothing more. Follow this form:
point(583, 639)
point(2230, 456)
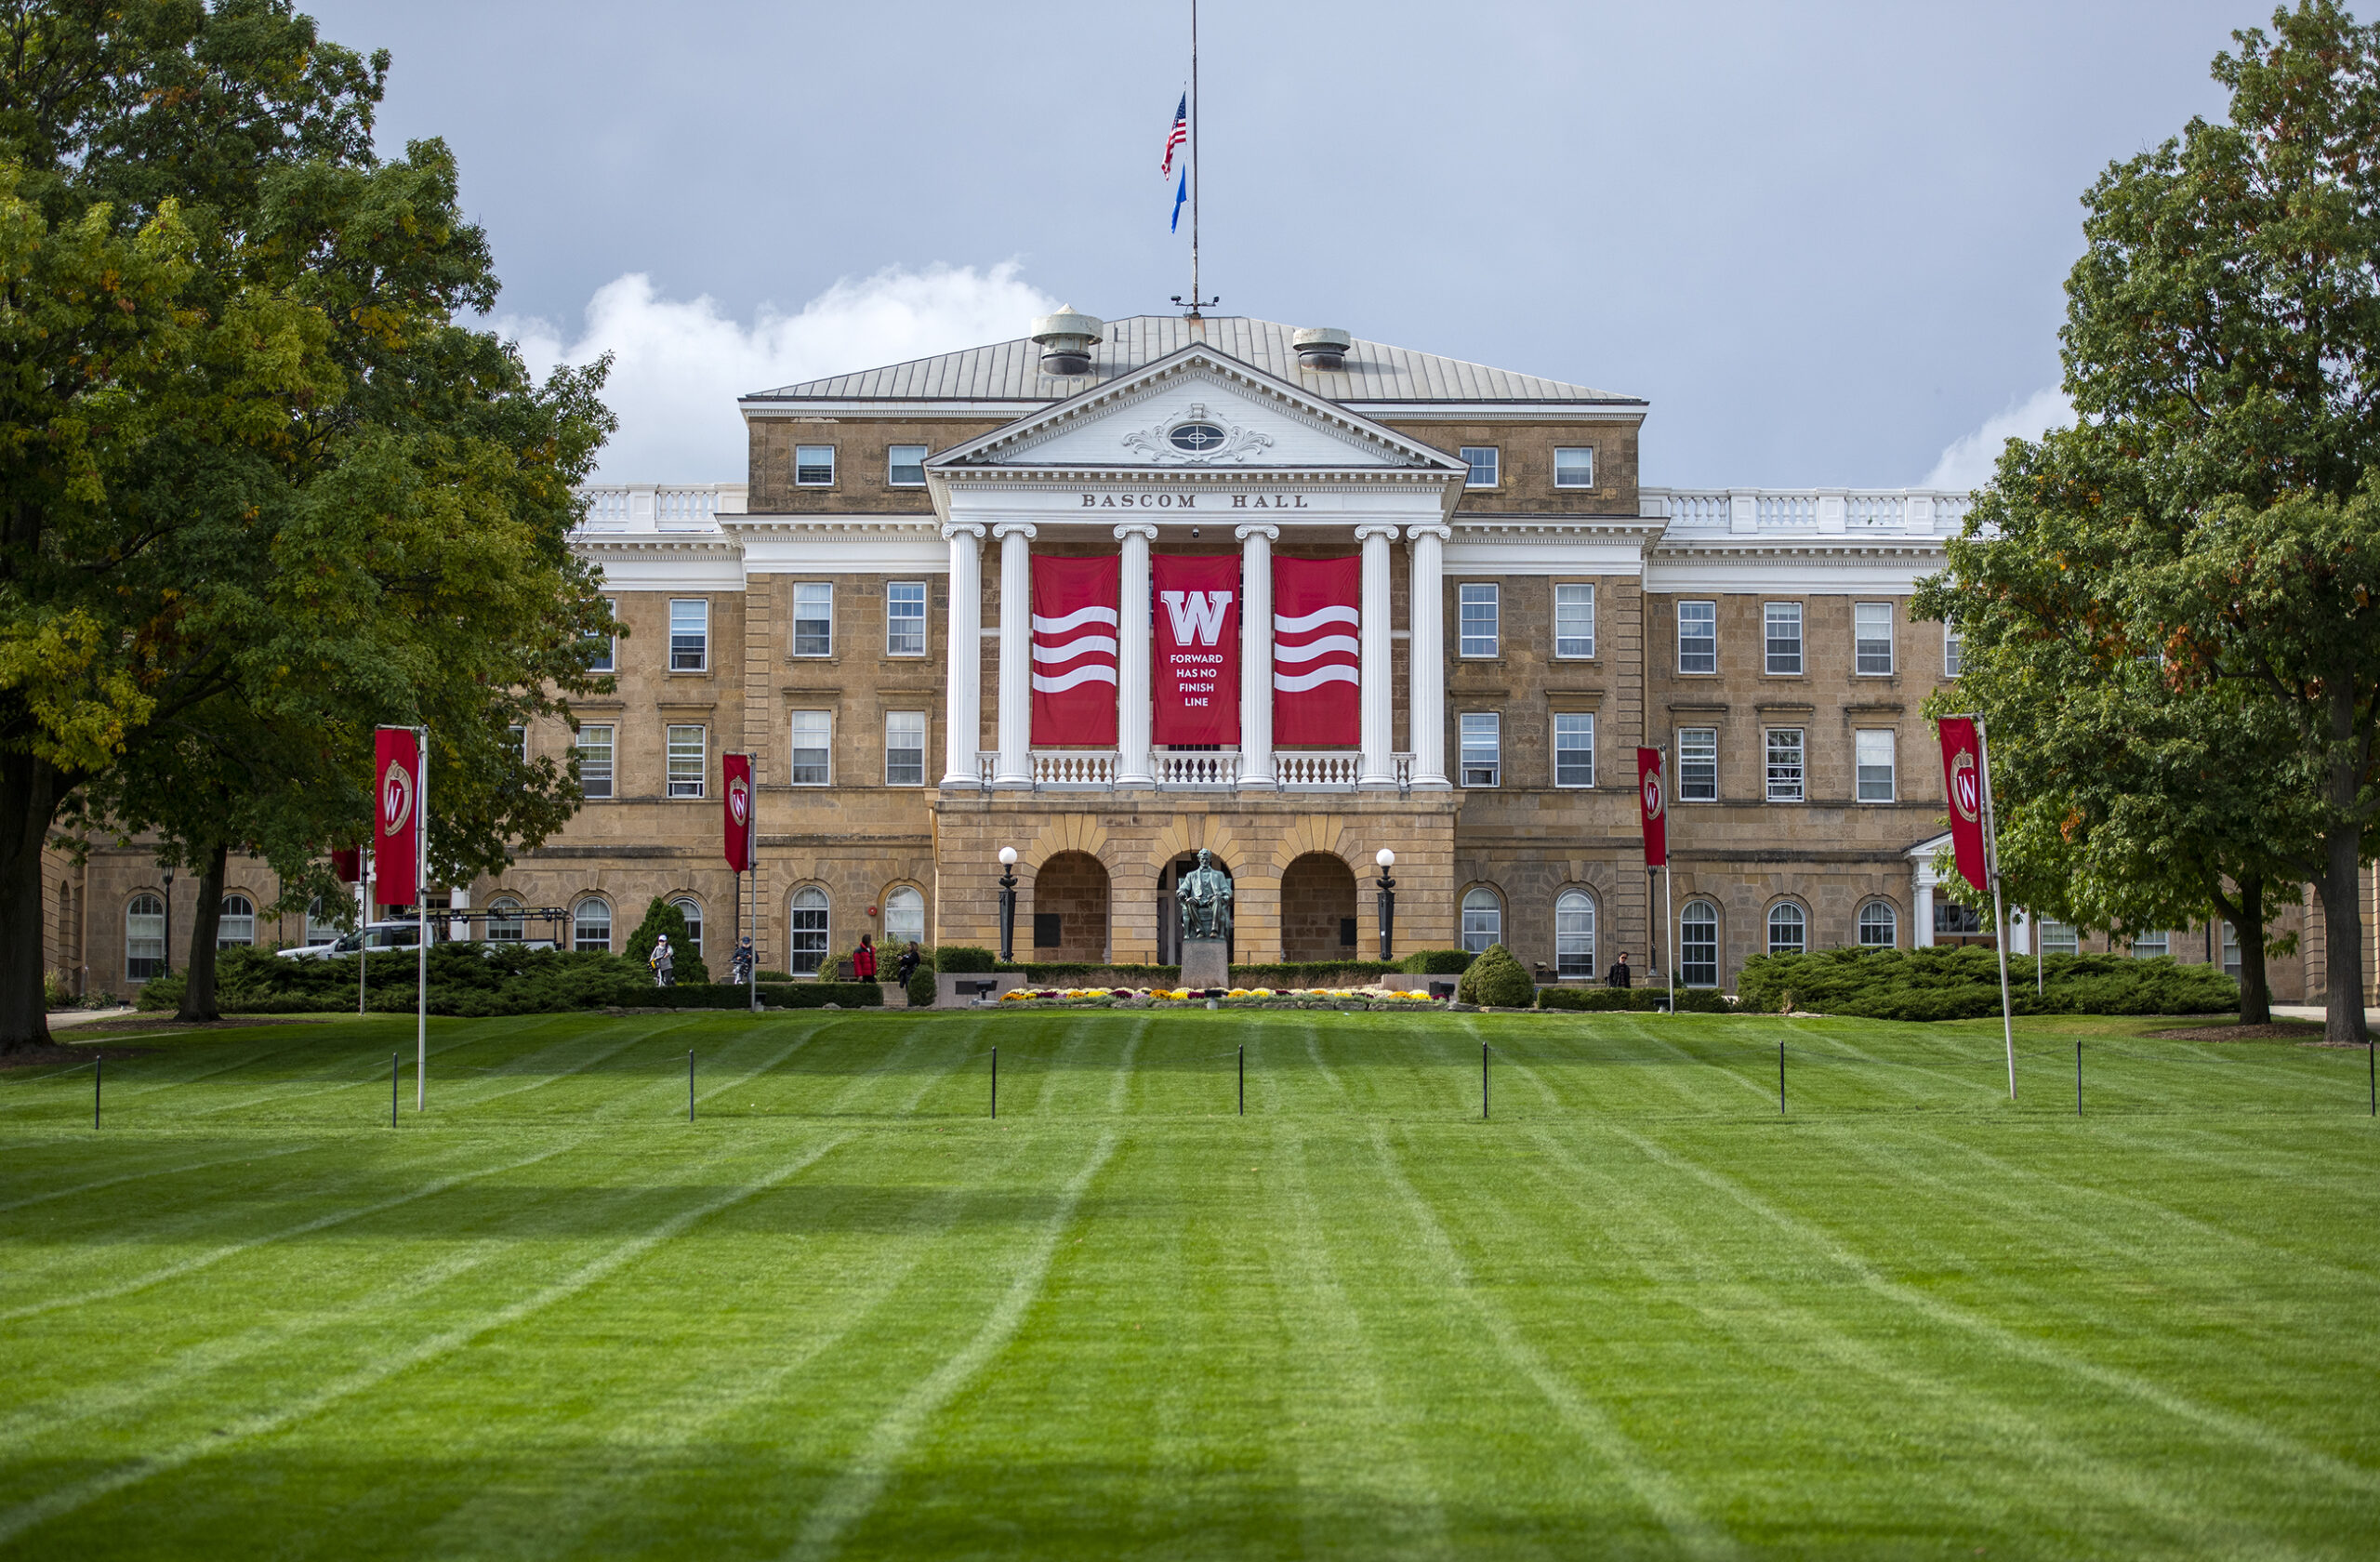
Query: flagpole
point(1668, 919)
point(1195, 294)
point(421, 912)
point(1999, 917)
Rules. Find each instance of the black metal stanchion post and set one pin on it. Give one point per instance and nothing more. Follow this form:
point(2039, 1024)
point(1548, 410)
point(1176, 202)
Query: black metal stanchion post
point(995, 1081)
point(690, 1084)
point(1483, 1082)
point(1243, 1082)
point(2077, 1079)
point(396, 1073)
point(1781, 1079)
point(99, 1067)
point(2372, 1069)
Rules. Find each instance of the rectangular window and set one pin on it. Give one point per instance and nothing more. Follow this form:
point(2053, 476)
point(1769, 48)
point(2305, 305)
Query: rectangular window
point(2150, 945)
point(595, 761)
point(1783, 621)
point(1873, 639)
point(1574, 620)
point(1574, 467)
point(904, 747)
point(813, 619)
point(812, 733)
point(2059, 938)
point(1784, 764)
point(690, 635)
point(1478, 614)
point(689, 759)
point(1482, 747)
point(1873, 755)
point(604, 646)
point(2230, 951)
point(1482, 460)
point(905, 465)
point(144, 939)
point(1954, 651)
point(905, 618)
point(1698, 764)
point(1574, 749)
point(1698, 636)
point(516, 738)
point(814, 466)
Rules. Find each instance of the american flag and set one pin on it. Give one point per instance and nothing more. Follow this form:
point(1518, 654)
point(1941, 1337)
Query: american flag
point(1175, 136)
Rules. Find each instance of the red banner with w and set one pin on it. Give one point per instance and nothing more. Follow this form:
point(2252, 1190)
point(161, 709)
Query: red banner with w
point(1196, 665)
point(396, 835)
point(1317, 661)
point(1074, 652)
point(735, 776)
point(1653, 806)
point(1963, 783)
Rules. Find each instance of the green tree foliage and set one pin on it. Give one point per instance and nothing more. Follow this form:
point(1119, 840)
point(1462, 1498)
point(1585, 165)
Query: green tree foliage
point(2196, 615)
point(1944, 982)
point(665, 921)
point(1498, 979)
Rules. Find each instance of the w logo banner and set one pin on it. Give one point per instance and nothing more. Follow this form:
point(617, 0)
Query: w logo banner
point(1652, 806)
point(737, 827)
point(1074, 652)
point(1195, 669)
point(396, 836)
point(1317, 657)
point(1962, 781)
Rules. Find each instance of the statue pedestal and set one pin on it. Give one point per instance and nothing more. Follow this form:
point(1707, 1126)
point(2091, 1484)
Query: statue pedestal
point(1205, 962)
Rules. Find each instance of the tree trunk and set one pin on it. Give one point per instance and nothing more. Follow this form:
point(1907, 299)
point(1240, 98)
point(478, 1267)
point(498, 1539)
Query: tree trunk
point(2255, 989)
point(2343, 936)
point(198, 984)
point(30, 791)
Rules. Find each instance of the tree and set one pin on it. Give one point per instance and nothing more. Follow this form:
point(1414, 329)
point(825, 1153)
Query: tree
point(2222, 350)
point(664, 920)
point(1497, 979)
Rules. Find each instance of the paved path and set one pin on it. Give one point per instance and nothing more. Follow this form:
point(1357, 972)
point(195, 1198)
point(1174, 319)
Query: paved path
point(2316, 1011)
point(61, 1018)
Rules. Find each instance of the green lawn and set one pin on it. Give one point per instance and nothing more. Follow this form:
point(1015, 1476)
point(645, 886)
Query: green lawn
point(1636, 1313)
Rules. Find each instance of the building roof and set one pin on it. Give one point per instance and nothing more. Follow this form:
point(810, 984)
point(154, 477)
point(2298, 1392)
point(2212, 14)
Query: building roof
point(1011, 371)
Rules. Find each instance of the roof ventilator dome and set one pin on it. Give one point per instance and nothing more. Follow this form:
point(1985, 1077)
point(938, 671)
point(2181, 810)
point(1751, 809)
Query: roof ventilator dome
point(1066, 340)
point(1322, 347)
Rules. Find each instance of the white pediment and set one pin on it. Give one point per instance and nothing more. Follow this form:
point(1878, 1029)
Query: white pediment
point(1195, 411)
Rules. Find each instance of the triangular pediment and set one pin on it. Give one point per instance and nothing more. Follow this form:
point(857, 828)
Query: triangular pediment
point(1195, 410)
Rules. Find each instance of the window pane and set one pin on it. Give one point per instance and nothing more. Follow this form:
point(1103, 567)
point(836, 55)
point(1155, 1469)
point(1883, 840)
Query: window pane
point(320, 929)
point(1697, 945)
point(905, 465)
point(504, 921)
point(2058, 938)
point(1482, 458)
point(905, 918)
point(237, 924)
point(1574, 934)
point(1873, 753)
point(1873, 629)
point(692, 912)
point(688, 756)
point(1878, 928)
point(813, 619)
point(1698, 764)
point(602, 645)
point(807, 946)
point(1785, 764)
point(144, 937)
point(2150, 946)
point(1574, 750)
point(812, 730)
point(595, 761)
point(1953, 651)
point(1784, 623)
point(590, 928)
point(1574, 620)
point(905, 618)
point(1785, 930)
point(1574, 467)
point(1478, 616)
point(1698, 636)
point(1483, 921)
point(689, 636)
point(904, 749)
point(814, 466)
point(1482, 747)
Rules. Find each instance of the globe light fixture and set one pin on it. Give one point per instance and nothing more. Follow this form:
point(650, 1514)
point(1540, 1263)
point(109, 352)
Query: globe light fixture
point(1008, 905)
point(1387, 859)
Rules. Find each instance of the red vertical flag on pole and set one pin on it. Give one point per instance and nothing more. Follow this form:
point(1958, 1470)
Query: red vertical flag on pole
point(1963, 783)
point(397, 836)
point(1652, 802)
point(736, 784)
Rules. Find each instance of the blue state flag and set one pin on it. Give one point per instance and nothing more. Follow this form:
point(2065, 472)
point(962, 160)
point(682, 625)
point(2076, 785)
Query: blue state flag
point(1180, 194)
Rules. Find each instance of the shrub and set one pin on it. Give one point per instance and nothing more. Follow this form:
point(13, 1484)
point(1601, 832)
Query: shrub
point(1703, 1000)
point(660, 917)
point(1496, 980)
point(1604, 1000)
point(1436, 962)
point(921, 989)
point(964, 959)
point(1963, 983)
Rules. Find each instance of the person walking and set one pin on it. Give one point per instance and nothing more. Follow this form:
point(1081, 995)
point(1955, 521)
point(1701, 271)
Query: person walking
point(906, 966)
point(1620, 975)
point(741, 965)
point(864, 959)
point(664, 963)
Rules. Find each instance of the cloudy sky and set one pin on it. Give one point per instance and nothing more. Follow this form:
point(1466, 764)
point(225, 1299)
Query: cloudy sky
point(1826, 241)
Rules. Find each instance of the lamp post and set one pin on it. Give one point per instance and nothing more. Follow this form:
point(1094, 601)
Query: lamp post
point(1387, 859)
point(1008, 905)
point(166, 968)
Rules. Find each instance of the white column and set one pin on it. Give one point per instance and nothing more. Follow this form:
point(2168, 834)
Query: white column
point(1379, 706)
point(1015, 765)
point(962, 699)
point(1921, 911)
point(1426, 655)
point(1133, 631)
point(1256, 656)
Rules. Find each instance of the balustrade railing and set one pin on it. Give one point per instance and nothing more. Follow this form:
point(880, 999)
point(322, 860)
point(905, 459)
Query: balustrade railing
point(1824, 512)
point(1094, 769)
point(684, 506)
point(1309, 768)
point(646, 507)
point(1876, 509)
point(1074, 767)
point(1201, 769)
point(1778, 511)
point(607, 508)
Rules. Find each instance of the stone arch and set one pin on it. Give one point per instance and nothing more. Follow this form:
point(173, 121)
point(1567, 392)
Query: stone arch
point(1319, 915)
point(1071, 904)
point(1187, 833)
point(1069, 832)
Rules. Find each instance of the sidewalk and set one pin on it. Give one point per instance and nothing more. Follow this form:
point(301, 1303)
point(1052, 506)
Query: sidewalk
point(2316, 1011)
point(59, 1019)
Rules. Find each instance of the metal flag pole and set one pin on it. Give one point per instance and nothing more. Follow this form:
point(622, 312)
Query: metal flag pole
point(1668, 915)
point(421, 913)
point(752, 864)
point(1999, 917)
point(363, 928)
point(1195, 294)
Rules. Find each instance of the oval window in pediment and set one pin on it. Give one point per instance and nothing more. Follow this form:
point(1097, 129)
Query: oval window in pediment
point(1195, 437)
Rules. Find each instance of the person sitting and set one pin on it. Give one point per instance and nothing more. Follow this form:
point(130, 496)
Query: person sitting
point(906, 966)
point(864, 959)
point(1620, 976)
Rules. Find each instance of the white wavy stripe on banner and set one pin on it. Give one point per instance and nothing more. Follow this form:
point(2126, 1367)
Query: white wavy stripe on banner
point(1065, 681)
point(1081, 647)
point(1327, 645)
point(1080, 616)
point(1284, 625)
point(1298, 682)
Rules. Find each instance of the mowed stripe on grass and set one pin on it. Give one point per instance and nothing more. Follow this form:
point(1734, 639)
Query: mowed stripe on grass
point(846, 1314)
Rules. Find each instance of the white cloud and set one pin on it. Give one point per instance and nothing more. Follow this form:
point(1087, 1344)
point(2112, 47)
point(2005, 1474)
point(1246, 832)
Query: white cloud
point(1967, 461)
point(678, 366)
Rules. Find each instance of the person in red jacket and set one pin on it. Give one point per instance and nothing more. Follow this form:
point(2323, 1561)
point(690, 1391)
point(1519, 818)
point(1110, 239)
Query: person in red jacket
point(864, 959)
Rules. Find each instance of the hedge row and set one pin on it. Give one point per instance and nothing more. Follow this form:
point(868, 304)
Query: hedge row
point(967, 959)
point(1963, 983)
point(1638, 1000)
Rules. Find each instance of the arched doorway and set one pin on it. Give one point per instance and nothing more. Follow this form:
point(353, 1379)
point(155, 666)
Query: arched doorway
point(1070, 909)
point(1318, 909)
point(1169, 915)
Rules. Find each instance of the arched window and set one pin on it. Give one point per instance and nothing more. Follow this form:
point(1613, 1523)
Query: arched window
point(1788, 929)
point(806, 945)
point(1483, 920)
point(319, 928)
point(590, 927)
point(1878, 928)
point(144, 938)
point(905, 918)
point(504, 921)
point(238, 924)
point(1697, 945)
point(1574, 934)
point(691, 909)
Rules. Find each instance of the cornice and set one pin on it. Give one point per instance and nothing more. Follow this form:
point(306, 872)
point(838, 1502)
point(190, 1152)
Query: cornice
point(918, 526)
point(649, 542)
point(1841, 550)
